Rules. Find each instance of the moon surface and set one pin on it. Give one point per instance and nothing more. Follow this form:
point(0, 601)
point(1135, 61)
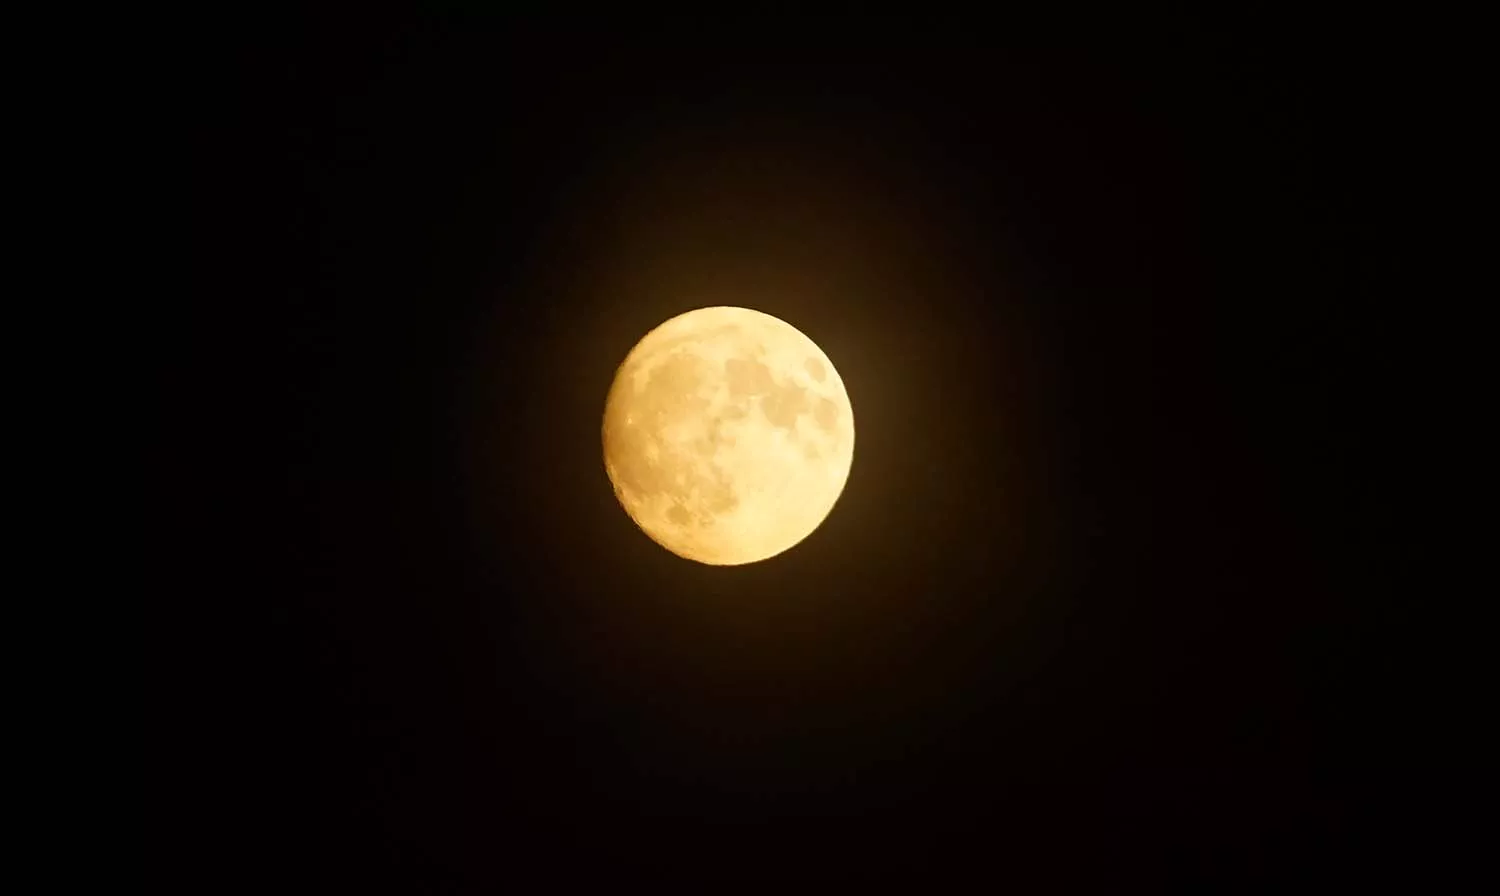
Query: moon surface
point(728, 435)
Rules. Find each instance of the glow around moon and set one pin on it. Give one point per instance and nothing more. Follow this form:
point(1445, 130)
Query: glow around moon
point(728, 435)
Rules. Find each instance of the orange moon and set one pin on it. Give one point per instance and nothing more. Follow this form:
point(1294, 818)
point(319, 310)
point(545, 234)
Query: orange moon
point(728, 435)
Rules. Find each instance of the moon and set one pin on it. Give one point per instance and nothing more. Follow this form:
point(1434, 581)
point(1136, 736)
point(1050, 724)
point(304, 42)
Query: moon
point(728, 435)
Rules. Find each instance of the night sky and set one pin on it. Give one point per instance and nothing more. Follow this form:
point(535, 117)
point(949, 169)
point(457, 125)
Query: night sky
point(1081, 614)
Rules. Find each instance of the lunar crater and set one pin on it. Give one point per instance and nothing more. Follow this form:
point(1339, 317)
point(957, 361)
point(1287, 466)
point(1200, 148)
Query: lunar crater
point(827, 414)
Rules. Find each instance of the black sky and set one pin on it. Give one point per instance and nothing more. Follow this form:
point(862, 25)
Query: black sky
point(1083, 610)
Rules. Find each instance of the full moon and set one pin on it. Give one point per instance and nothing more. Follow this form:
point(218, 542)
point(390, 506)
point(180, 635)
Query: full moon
point(728, 435)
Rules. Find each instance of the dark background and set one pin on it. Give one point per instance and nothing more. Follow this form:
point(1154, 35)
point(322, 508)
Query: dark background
point(1086, 609)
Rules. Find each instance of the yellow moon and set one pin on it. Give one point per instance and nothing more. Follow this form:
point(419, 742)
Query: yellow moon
point(728, 435)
